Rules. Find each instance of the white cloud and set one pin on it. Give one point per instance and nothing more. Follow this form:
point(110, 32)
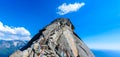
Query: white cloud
point(64, 8)
point(1, 34)
point(13, 33)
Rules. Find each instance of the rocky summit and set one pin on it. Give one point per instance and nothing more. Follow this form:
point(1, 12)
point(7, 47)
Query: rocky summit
point(55, 40)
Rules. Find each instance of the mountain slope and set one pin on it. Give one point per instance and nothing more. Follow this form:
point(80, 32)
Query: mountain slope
point(55, 40)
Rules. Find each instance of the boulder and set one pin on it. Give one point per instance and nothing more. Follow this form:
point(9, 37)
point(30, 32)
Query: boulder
point(57, 39)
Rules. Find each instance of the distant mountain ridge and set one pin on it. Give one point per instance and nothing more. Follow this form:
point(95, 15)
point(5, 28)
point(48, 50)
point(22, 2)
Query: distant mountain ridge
point(7, 47)
point(106, 53)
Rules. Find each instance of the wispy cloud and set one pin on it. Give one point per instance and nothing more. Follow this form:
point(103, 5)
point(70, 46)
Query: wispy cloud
point(67, 8)
point(13, 33)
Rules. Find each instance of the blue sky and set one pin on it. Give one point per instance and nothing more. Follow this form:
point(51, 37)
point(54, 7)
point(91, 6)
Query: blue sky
point(97, 22)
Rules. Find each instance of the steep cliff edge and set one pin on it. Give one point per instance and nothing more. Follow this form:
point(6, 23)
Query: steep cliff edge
point(55, 40)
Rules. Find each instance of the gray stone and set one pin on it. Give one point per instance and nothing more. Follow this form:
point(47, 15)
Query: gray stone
point(55, 40)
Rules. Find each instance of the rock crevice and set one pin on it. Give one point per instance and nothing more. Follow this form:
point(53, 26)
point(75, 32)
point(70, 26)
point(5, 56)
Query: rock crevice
point(55, 40)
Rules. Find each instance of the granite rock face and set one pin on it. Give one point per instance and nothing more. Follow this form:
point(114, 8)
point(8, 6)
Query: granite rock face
point(55, 40)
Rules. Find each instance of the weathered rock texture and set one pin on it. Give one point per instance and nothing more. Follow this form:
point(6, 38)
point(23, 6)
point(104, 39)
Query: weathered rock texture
point(55, 40)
